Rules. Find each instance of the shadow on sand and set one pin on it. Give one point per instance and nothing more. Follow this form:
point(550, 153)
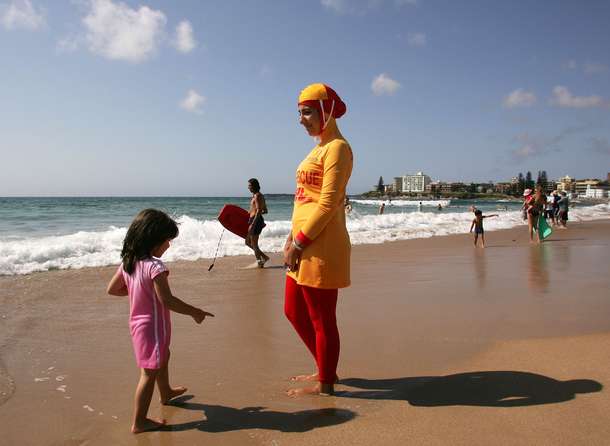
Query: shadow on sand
point(225, 419)
point(491, 388)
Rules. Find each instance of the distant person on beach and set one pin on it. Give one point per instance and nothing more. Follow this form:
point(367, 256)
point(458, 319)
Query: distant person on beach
point(419, 207)
point(256, 222)
point(527, 198)
point(535, 207)
point(549, 213)
point(317, 250)
point(348, 205)
point(143, 277)
point(439, 207)
point(563, 205)
point(555, 207)
point(477, 224)
point(381, 208)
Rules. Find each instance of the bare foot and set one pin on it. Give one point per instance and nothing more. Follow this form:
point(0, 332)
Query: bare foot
point(319, 389)
point(173, 393)
point(299, 378)
point(312, 377)
point(149, 424)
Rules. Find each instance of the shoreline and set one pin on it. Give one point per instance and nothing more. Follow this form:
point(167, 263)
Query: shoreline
point(395, 233)
point(421, 315)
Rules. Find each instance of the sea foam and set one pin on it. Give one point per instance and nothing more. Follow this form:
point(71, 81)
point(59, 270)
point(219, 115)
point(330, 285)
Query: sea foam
point(198, 239)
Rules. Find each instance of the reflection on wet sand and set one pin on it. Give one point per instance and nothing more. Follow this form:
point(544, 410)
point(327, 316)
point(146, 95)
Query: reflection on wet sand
point(480, 267)
point(537, 271)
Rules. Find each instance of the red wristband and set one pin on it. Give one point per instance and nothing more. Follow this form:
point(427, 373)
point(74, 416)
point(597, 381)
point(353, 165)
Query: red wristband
point(302, 239)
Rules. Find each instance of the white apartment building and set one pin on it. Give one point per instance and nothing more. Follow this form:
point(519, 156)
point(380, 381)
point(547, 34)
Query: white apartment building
point(415, 183)
point(594, 192)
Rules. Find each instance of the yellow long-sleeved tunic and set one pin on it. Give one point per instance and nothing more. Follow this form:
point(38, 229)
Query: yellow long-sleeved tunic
point(319, 214)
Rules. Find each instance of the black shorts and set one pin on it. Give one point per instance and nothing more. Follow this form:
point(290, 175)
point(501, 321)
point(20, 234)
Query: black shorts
point(563, 215)
point(259, 224)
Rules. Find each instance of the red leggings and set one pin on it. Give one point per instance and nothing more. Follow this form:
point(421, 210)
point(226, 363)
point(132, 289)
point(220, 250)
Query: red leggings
point(312, 312)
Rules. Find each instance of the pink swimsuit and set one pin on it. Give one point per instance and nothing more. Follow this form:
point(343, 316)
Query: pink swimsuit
point(149, 320)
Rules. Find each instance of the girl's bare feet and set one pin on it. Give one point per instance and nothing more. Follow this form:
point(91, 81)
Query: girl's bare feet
point(149, 424)
point(307, 378)
point(299, 378)
point(321, 389)
point(173, 393)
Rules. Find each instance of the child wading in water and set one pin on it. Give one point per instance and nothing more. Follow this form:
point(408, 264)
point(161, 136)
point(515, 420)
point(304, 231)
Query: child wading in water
point(143, 277)
point(477, 224)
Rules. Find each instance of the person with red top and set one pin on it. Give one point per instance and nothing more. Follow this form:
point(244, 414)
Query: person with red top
point(317, 250)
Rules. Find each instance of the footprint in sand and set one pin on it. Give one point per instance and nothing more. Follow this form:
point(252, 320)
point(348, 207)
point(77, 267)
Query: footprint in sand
point(89, 408)
point(41, 379)
point(62, 388)
point(60, 378)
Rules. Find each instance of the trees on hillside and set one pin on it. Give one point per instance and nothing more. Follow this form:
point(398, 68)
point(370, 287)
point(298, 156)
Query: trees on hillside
point(380, 187)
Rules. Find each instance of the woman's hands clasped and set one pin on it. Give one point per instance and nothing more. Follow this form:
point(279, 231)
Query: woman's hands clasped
point(292, 255)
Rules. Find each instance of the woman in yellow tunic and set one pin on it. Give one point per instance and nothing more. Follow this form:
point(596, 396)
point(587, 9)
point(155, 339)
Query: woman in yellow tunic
point(317, 251)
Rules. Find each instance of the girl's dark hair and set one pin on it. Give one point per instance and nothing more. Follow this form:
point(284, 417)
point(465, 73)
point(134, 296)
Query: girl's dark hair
point(255, 184)
point(478, 212)
point(148, 230)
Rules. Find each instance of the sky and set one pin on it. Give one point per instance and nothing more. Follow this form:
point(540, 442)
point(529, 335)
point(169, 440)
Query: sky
point(193, 97)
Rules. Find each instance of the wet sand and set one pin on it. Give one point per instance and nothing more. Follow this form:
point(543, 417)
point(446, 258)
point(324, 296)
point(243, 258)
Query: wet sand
point(441, 344)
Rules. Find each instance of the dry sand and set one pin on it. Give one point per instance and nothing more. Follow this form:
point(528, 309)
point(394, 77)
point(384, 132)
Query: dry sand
point(442, 344)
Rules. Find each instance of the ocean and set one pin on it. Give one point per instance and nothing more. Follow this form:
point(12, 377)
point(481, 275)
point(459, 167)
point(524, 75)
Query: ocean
point(42, 234)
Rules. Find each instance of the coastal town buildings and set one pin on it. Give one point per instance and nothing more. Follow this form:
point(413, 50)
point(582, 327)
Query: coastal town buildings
point(415, 183)
point(421, 184)
point(595, 192)
point(566, 184)
point(504, 188)
point(580, 187)
point(397, 184)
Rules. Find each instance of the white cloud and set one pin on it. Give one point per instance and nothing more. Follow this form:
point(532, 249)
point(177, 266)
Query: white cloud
point(417, 39)
point(185, 40)
point(535, 146)
point(21, 14)
point(383, 84)
point(571, 65)
point(587, 67)
point(360, 7)
point(595, 68)
point(519, 98)
point(265, 71)
point(600, 145)
point(193, 102)
point(526, 151)
point(68, 44)
point(340, 6)
point(116, 31)
point(563, 98)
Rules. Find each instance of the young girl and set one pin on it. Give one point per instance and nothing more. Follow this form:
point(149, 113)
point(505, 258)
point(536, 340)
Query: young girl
point(143, 277)
point(477, 224)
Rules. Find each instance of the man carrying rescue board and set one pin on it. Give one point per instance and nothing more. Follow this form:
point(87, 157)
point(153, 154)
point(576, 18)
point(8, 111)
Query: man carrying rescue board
point(256, 222)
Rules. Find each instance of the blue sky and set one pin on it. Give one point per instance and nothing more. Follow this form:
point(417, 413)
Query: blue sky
point(191, 97)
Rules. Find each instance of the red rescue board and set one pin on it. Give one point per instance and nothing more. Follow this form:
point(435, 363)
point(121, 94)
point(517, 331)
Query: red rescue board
point(234, 219)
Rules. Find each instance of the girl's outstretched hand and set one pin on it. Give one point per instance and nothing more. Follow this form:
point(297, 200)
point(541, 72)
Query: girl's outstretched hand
point(200, 315)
